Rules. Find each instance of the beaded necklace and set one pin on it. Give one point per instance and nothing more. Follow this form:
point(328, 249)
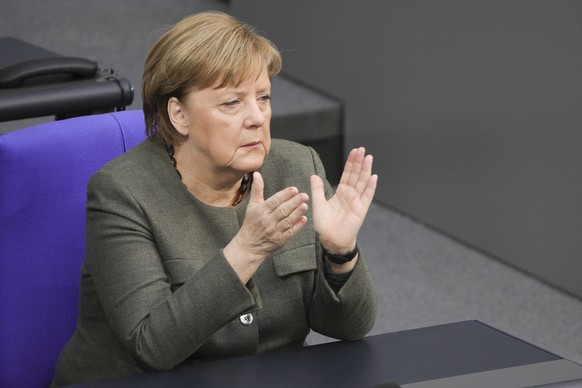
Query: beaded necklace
point(240, 193)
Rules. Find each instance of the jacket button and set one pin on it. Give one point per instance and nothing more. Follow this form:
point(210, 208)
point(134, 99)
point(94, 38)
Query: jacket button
point(246, 319)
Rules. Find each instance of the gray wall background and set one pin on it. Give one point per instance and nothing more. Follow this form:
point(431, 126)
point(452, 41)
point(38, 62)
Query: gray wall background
point(472, 109)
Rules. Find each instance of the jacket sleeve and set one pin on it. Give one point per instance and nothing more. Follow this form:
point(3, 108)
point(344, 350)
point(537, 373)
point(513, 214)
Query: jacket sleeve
point(159, 327)
point(351, 313)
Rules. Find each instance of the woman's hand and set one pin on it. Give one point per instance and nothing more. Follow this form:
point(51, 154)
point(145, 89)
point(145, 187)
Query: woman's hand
point(338, 220)
point(268, 225)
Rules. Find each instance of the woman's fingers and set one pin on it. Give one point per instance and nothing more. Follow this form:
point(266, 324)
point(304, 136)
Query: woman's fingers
point(347, 173)
point(358, 167)
point(365, 174)
point(273, 222)
point(282, 204)
point(317, 190)
point(256, 196)
point(294, 222)
point(290, 216)
point(357, 171)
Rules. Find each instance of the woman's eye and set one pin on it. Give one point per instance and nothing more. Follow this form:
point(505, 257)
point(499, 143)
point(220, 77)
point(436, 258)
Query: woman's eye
point(231, 103)
point(264, 98)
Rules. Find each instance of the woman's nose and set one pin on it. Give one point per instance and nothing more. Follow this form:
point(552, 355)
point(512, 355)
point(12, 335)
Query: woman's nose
point(256, 115)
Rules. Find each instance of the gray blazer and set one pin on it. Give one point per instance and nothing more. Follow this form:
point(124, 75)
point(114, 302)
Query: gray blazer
point(157, 292)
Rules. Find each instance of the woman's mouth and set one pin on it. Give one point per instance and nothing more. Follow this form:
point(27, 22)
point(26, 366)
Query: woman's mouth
point(252, 144)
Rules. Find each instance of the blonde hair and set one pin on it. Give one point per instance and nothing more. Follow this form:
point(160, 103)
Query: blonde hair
point(209, 49)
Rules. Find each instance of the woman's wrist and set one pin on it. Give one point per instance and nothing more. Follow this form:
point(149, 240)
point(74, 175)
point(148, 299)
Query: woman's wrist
point(340, 248)
point(242, 260)
point(341, 268)
point(341, 258)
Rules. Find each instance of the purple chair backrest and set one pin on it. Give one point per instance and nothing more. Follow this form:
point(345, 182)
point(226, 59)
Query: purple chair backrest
point(44, 172)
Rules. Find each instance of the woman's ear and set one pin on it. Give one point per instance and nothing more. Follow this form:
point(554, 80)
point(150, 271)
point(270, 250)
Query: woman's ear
point(178, 116)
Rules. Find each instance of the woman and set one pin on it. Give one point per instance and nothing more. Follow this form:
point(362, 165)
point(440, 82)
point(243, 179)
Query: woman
point(200, 241)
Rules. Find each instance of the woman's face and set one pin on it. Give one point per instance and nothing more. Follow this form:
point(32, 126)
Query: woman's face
point(228, 128)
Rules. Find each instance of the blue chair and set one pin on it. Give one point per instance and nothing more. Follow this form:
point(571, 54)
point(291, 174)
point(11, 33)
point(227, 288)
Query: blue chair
point(44, 172)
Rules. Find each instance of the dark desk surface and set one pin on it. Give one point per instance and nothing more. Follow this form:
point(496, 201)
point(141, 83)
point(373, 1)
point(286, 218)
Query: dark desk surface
point(58, 93)
point(463, 354)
